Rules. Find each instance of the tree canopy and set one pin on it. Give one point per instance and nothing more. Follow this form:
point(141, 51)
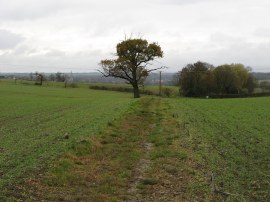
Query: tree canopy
point(202, 79)
point(40, 77)
point(133, 58)
point(195, 79)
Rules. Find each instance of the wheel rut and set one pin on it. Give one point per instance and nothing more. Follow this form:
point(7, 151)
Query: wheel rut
point(139, 174)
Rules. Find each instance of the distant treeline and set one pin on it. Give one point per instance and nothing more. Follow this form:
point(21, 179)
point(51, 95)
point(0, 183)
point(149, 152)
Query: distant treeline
point(152, 79)
point(195, 80)
point(203, 79)
point(95, 77)
point(261, 76)
point(242, 95)
point(121, 89)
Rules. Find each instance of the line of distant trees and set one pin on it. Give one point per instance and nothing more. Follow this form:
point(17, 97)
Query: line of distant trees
point(59, 77)
point(265, 85)
point(203, 79)
point(39, 77)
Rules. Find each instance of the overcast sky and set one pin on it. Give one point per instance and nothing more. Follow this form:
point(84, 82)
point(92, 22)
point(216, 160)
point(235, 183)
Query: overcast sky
point(74, 35)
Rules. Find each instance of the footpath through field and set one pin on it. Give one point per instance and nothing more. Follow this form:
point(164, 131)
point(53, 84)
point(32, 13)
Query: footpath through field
point(136, 159)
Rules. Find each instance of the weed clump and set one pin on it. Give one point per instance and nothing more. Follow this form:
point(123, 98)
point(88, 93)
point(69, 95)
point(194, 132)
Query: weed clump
point(149, 181)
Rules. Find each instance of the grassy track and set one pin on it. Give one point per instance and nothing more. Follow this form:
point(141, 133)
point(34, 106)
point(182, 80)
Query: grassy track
point(37, 124)
point(102, 168)
point(136, 159)
point(151, 149)
point(174, 150)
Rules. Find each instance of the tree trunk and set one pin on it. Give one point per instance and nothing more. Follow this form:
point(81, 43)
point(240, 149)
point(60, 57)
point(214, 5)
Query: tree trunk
point(136, 91)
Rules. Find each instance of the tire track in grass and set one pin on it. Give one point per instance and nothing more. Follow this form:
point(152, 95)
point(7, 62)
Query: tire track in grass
point(108, 167)
point(139, 158)
point(139, 174)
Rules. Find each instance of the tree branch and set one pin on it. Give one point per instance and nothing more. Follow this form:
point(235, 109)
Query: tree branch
point(163, 67)
point(124, 70)
point(115, 75)
point(104, 75)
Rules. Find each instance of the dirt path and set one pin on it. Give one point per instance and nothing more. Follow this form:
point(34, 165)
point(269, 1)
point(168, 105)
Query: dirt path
point(139, 174)
point(138, 158)
point(109, 167)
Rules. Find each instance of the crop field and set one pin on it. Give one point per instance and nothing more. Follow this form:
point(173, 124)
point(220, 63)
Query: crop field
point(174, 90)
point(38, 124)
point(77, 144)
point(231, 138)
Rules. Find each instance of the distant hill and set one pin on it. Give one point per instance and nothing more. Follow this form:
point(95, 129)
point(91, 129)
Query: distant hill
point(96, 77)
point(261, 75)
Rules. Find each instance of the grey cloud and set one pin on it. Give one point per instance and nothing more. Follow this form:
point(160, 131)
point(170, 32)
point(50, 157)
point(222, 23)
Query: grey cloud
point(55, 53)
point(183, 2)
point(254, 56)
point(220, 40)
point(23, 50)
point(262, 32)
point(18, 10)
point(28, 9)
point(81, 33)
point(52, 61)
point(9, 40)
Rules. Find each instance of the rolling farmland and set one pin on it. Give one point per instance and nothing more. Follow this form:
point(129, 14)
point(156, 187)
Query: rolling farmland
point(81, 144)
point(38, 124)
point(231, 138)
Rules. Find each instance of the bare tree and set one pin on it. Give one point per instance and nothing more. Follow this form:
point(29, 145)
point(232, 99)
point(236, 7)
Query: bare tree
point(40, 78)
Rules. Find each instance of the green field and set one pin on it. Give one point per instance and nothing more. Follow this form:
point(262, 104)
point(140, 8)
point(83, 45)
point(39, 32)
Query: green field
point(39, 124)
point(174, 90)
point(185, 149)
point(231, 138)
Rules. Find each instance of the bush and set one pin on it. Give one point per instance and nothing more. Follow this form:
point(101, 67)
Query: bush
point(121, 89)
point(71, 85)
point(167, 92)
point(112, 88)
point(200, 79)
point(244, 95)
point(265, 85)
point(148, 92)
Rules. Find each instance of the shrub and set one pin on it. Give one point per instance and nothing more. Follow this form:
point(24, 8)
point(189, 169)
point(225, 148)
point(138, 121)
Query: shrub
point(71, 85)
point(167, 92)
